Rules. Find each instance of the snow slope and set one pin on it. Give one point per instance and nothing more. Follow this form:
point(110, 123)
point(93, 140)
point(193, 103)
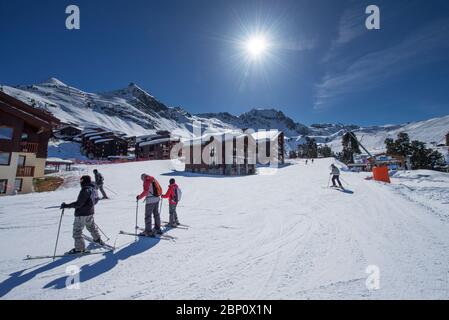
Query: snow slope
point(282, 235)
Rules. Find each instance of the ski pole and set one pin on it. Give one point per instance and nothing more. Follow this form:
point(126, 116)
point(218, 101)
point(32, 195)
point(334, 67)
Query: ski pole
point(137, 212)
point(111, 190)
point(54, 207)
point(344, 181)
point(57, 237)
point(107, 238)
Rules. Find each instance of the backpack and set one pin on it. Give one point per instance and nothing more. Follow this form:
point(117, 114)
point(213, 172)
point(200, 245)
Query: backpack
point(93, 195)
point(178, 195)
point(157, 189)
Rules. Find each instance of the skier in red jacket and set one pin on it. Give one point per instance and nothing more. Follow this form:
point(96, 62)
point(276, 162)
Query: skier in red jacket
point(151, 193)
point(173, 195)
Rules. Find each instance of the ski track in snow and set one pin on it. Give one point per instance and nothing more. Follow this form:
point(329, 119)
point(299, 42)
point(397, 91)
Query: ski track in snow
point(278, 236)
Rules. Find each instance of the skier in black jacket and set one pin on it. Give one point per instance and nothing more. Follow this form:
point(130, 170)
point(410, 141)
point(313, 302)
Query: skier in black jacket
point(84, 215)
point(99, 181)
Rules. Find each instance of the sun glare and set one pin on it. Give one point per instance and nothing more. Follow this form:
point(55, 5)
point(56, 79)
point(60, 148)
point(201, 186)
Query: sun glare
point(256, 46)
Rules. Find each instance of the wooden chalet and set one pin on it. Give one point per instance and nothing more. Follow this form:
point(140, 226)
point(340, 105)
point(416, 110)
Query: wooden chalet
point(101, 144)
point(229, 154)
point(24, 135)
point(155, 147)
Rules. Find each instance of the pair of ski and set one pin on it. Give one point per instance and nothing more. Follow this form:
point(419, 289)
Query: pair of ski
point(163, 236)
point(106, 248)
point(179, 226)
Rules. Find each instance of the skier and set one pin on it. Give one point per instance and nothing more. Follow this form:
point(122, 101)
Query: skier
point(99, 181)
point(151, 191)
point(312, 160)
point(335, 176)
point(84, 215)
point(307, 161)
point(173, 198)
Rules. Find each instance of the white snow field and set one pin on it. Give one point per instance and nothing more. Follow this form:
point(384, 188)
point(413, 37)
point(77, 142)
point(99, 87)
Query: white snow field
point(275, 236)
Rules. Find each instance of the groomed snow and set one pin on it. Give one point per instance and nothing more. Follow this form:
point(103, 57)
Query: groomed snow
point(282, 235)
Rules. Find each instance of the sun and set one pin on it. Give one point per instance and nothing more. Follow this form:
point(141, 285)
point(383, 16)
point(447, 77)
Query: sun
point(256, 46)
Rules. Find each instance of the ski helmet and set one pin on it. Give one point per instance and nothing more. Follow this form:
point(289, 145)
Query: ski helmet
point(172, 181)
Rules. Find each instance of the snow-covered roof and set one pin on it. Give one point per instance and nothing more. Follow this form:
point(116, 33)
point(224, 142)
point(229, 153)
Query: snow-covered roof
point(103, 140)
point(147, 137)
point(223, 136)
point(95, 137)
point(59, 160)
point(156, 141)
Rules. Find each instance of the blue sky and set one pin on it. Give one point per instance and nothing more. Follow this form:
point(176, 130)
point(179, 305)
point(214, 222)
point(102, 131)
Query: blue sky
point(322, 64)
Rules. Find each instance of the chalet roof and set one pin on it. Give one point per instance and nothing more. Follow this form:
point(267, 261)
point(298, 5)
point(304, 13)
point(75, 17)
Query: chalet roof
point(147, 137)
point(103, 140)
point(156, 141)
point(58, 161)
point(223, 136)
point(30, 115)
point(43, 116)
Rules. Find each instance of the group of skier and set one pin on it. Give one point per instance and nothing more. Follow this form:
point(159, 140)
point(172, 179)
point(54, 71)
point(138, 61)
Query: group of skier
point(88, 197)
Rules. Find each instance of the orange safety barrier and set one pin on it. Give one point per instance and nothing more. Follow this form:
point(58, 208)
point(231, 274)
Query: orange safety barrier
point(381, 174)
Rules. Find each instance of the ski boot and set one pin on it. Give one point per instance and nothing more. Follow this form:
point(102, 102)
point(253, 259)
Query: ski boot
point(74, 251)
point(100, 242)
point(146, 234)
point(157, 232)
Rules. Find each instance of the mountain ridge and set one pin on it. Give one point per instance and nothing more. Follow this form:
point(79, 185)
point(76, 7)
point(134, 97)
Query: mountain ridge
point(135, 111)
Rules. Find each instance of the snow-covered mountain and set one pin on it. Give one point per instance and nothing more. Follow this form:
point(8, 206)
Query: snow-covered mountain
point(134, 111)
point(131, 110)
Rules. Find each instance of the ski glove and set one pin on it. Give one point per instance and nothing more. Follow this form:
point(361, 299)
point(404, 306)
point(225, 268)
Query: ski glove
point(64, 205)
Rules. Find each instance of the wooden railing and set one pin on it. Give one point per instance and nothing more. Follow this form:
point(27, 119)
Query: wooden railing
point(25, 171)
point(30, 147)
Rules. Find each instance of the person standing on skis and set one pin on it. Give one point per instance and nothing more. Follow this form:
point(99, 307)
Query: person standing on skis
point(151, 192)
point(335, 176)
point(99, 181)
point(84, 215)
point(172, 195)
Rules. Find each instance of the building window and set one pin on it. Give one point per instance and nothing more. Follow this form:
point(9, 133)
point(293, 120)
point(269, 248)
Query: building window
point(3, 185)
point(18, 185)
point(5, 158)
point(6, 133)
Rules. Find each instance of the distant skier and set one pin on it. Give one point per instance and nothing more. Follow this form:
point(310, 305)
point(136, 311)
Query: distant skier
point(152, 192)
point(99, 182)
point(335, 176)
point(313, 160)
point(307, 161)
point(173, 194)
point(84, 215)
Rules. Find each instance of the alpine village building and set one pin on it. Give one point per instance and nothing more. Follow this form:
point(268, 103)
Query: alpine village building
point(24, 135)
point(97, 143)
point(227, 154)
point(233, 153)
point(156, 146)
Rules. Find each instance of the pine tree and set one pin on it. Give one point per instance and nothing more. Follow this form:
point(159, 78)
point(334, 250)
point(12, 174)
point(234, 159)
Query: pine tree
point(324, 151)
point(350, 147)
point(403, 144)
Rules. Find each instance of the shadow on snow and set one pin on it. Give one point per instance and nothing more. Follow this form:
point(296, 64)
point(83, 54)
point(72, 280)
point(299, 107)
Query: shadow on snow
point(87, 272)
point(111, 259)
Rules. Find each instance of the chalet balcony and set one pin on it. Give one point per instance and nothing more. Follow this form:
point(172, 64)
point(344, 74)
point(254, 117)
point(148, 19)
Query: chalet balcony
point(29, 147)
point(25, 171)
